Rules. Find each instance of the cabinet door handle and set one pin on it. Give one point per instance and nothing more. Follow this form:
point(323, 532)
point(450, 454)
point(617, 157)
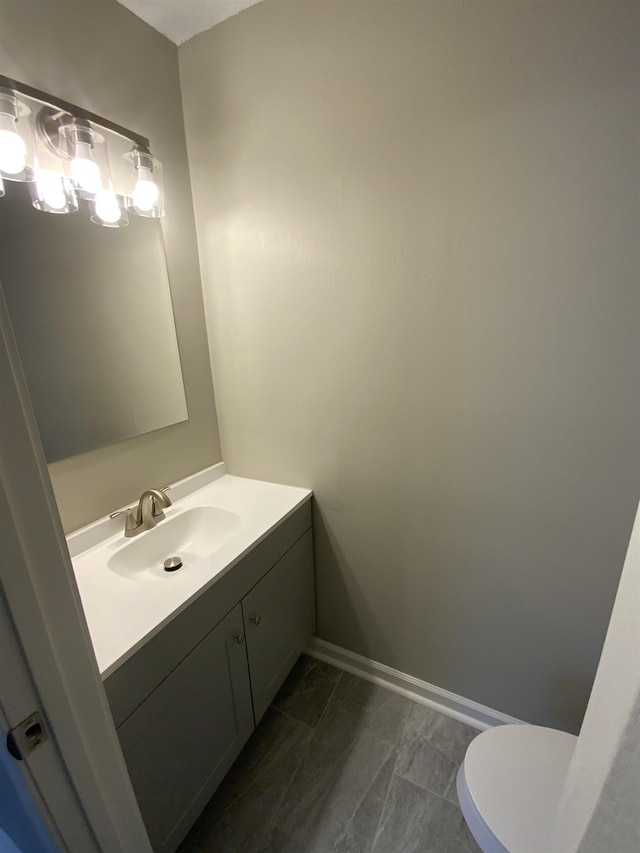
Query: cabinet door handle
point(239, 638)
point(257, 619)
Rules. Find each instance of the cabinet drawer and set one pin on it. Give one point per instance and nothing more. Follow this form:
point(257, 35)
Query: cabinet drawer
point(279, 617)
point(184, 737)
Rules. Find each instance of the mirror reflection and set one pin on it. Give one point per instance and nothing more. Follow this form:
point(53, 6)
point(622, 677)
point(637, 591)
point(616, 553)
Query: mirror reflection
point(92, 316)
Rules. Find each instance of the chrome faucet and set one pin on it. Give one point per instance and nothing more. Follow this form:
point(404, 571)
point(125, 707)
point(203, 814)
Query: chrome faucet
point(146, 514)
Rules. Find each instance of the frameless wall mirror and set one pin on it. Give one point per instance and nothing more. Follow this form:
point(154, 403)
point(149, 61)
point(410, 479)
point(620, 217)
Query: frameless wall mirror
point(90, 306)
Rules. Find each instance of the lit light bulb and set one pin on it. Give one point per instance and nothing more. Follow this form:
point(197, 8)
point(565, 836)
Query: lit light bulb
point(145, 193)
point(51, 189)
point(107, 207)
point(13, 151)
point(84, 170)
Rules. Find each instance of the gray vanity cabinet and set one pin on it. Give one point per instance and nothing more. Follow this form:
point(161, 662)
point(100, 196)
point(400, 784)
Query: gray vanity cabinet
point(186, 702)
point(279, 618)
point(184, 737)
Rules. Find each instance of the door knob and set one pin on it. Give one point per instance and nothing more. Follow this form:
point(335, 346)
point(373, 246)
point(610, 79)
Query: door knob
point(256, 619)
point(239, 638)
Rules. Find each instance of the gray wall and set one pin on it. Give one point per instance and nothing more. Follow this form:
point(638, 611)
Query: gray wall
point(98, 55)
point(418, 234)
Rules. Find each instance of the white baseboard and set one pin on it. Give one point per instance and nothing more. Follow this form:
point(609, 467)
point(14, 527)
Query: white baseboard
point(457, 707)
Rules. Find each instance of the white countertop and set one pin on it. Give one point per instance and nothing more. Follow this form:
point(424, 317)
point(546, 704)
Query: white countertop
point(123, 613)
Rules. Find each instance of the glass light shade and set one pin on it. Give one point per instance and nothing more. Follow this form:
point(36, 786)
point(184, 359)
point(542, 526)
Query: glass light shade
point(145, 194)
point(86, 153)
point(108, 209)
point(84, 170)
point(51, 192)
point(13, 151)
point(16, 139)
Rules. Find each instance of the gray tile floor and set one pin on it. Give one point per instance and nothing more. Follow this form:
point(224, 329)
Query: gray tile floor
point(338, 765)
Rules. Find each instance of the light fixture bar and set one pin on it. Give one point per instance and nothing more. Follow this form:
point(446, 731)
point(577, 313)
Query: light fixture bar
point(72, 109)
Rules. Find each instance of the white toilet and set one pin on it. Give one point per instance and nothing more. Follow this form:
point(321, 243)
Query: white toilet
point(509, 786)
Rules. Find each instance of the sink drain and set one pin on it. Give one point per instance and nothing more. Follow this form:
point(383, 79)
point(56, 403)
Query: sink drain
point(172, 564)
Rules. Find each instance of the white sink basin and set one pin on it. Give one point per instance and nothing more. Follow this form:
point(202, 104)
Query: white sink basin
point(215, 520)
point(193, 535)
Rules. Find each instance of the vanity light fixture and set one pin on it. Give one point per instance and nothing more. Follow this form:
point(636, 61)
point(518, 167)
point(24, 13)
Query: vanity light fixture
point(64, 153)
point(16, 137)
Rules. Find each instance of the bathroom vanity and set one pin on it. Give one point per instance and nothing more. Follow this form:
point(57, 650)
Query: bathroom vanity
point(191, 662)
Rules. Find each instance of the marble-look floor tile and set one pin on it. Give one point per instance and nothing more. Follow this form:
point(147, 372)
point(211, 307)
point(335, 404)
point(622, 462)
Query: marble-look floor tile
point(238, 815)
point(379, 709)
point(463, 832)
point(342, 780)
point(432, 749)
point(307, 689)
point(277, 842)
point(451, 792)
point(339, 765)
point(359, 834)
point(417, 821)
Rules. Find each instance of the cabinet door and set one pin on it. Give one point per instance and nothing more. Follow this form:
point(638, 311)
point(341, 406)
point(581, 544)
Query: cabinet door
point(279, 617)
point(184, 737)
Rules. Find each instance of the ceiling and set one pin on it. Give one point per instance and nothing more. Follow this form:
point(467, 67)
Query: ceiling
point(180, 20)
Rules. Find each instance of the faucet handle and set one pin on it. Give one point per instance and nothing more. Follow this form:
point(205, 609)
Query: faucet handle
point(167, 500)
point(159, 501)
point(131, 523)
